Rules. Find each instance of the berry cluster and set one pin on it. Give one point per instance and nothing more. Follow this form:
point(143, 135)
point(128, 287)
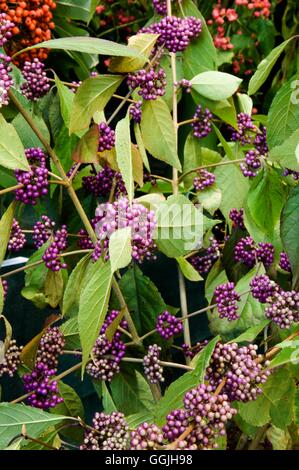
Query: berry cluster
point(202, 125)
point(185, 84)
point(244, 134)
point(9, 364)
point(247, 252)
point(191, 351)
point(294, 174)
point(252, 163)
point(43, 389)
point(107, 137)
point(226, 299)
point(122, 214)
point(160, 6)
point(260, 142)
point(237, 217)
point(176, 423)
point(6, 81)
point(4, 287)
point(262, 288)
point(203, 262)
point(283, 308)
point(106, 354)
point(17, 238)
point(284, 262)
point(239, 367)
point(37, 83)
point(50, 347)
point(35, 182)
point(6, 27)
point(110, 432)
point(136, 111)
point(42, 231)
point(203, 180)
point(151, 83)
point(101, 183)
point(151, 363)
point(168, 325)
point(175, 33)
point(52, 257)
point(146, 437)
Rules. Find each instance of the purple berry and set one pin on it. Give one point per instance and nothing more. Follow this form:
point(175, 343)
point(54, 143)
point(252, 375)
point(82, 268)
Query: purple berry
point(6, 27)
point(43, 389)
point(136, 111)
point(17, 238)
point(151, 364)
point(202, 125)
point(110, 432)
point(284, 262)
point(50, 347)
point(226, 298)
point(52, 254)
point(4, 287)
point(146, 437)
point(185, 84)
point(37, 83)
point(237, 218)
point(168, 325)
point(35, 182)
point(262, 287)
point(203, 262)
point(191, 351)
point(294, 174)
point(247, 252)
point(283, 308)
point(176, 423)
point(260, 142)
point(42, 231)
point(151, 84)
point(11, 360)
point(252, 164)
point(6, 81)
point(160, 6)
point(245, 131)
point(203, 180)
point(107, 137)
point(101, 183)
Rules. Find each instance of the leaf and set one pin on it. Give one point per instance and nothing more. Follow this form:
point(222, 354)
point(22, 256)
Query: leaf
point(277, 385)
point(137, 165)
point(285, 356)
point(76, 9)
point(5, 228)
point(54, 288)
point(70, 331)
point(66, 98)
point(74, 287)
point(72, 404)
point(12, 153)
point(87, 147)
point(264, 68)
point(141, 42)
point(256, 412)
point(188, 270)
point(25, 132)
point(141, 147)
point(108, 403)
point(245, 103)
point(157, 121)
point(35, 279)
point(287, 154)
point(210, 198)
point(280, 440)
point(131, 392)
point(283, 412)
point(92, 96)
point(289, 231)
point(216, 86)
point(120, 248)
point(138, 418)
point(93, 306)
point(283, 117)
point(14, 416)
point(88, 45)
point(251, 333)
point(1, 297)
point(173, 397)
point(124, 154)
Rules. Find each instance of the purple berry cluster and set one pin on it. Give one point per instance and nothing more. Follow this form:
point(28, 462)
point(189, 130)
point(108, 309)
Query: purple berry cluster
point(5, 29)
point(101, 183)
point(151, 83)
point(252, 164)
point(42, 231)
point(151, 364)
point(247, 252)
point(175, 33)
point(107, 137)
point(191, 351)
point(136, 111)
point(35, 182)
point(84, 241)
point(146, 437)
point(4, 287)
point(237, 217)
point(110, 432)
point(240, 367)
point(245, 131)
point(168, 325)
point(202, 125)
point(185, 84)
point(203, 180)
point(283, 308)
point(176, 423)
point(50, 347)
point(106, 354)
point(294, 174)
point(226, 298)
point(260, 142)
point(262, 287)
point(17, 238)
point(122, 214)
point(37, 83)
point(203, 262)
point(6, 81)
point(43, 389)
point(52, 257)
point(9, 364)
point(284, 262)
point(160, 6)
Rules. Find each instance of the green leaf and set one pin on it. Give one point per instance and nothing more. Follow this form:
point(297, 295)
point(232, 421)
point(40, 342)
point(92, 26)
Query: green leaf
point(141, 147)
point(245, 103)
point(66, 98)
point(286, 355)
point(297, 407)
point(215, 86)
point(256, 412)
point(131, 392)
point(289, 231)
point(188, 270)
point(224, 109)
point(54, 288)
point(251, 333)
point(141, 42)
point(35, 279)
point(277, 385)
point(108, 403)
point(175, 393)
point(88, 45)
point(283, 117)
point(210, 198)
point(93, 306)
point(5, 228)
point(12, 154)
point(70, 331)
point(120, 248)
point(74, 287)
point(280, 440)
point(287, 154)
point(14, 416)
point(157, 121)
point(82, 10)
point(283, 412)
point(138, 418)
point(87, 147)
point(124, 154)
point(264, 68)
point(92, 96)
point(72, 404)
point(25, 132)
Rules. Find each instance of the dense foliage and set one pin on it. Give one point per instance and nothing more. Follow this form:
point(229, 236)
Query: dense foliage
point(137, 139)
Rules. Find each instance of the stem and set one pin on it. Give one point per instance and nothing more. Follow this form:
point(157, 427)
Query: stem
point(11, 189)
point(211, 165)
point(188, 121)
point(127, 315)
point(184, 309)
point(120, 106)
point(162, 178)
point(37, 441)
point(156, 391)
point(258, 437)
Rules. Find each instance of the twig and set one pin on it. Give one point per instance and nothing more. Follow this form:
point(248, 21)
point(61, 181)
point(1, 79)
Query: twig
point(211, 165)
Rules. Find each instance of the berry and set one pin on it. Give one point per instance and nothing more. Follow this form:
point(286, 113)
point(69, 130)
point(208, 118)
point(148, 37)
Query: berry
point(237, 218)
point(5, 288)
point(45, 390)
point(265, 253)
point(50, 347)
point(226, 298)
point(203, 180)
point(247, 252)
point(17, 238)
point(262, 288)
point(52, 257)
point(176, 423)
point(202, 126)
point(185, 84)
point(42, 231)
point(37, 83)
point(260, 142)
point(192, 351)
point(136, 111)
point(101, 184)
point(146, 437)
point(11, 360)
point(168, 325)
point(6, 81)
point(6, 27)
point(245, 129)
point(107, 137)
point(294, 174)
point(160, 6)
point(203, 263)
point(284, 262)
point(110, 433)
point(151, 83)
point(84, 241)
point(252, 164)
point(283, 308)
point(35, 182)
point(151, 363)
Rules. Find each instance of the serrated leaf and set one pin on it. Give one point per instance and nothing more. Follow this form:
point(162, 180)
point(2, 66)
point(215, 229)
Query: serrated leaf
point(124, 154)
point(72, 404)
point(12, 153)
point(5, 228)
point(120, 248)
point(139, 418)
point(216, 86)
point(277, 385)
point(256, 412)
point(141, 42)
